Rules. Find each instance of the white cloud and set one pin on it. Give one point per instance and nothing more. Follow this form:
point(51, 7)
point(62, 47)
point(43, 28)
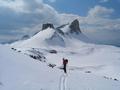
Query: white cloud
point(98, 25)
point(16, 5)
point(100, 16)
point(20, 17)
point(101, 27)
point(25, 5)
point(99, 11)
point(18, 14)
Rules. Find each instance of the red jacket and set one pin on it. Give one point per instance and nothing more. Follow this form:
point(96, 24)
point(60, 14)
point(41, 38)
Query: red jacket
point(65, 61)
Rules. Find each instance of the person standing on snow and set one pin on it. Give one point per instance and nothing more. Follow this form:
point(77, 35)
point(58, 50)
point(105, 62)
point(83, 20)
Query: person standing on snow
point(65, 62)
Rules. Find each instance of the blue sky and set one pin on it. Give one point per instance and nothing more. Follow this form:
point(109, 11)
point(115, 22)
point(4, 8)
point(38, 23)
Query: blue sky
point(81, 7)
point(97, 17)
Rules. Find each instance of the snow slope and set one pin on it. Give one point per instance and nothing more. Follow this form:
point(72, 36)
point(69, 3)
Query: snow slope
point(43, 38)
point(35, 63)
point(80, 54)
point(20, 72)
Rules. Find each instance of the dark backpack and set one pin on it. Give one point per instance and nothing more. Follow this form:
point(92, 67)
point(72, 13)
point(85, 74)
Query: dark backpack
point(65, 61)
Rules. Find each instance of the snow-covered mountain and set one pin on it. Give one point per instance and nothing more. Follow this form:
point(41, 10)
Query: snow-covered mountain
point(59, 36)
point(35, 63)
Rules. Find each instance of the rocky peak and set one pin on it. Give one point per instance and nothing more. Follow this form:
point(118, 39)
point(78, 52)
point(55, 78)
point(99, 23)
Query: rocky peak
point(74, 27)
point(47, 25)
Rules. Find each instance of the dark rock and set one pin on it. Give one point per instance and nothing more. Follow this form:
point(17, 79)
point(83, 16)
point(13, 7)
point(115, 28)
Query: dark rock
point(60, 31)
point(107, 77)
point(115, 79)
point(51, 65)
point(19, 51)
point(87, 71)
point(47, 25)
point(62, 26)
point(53, 51)
point(14, 49)
point(25, 37)
point(37, 55)
point(36, 33)
point(74, 26)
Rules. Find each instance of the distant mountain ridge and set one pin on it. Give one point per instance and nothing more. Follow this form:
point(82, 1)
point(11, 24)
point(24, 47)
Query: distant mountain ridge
point(50, 35)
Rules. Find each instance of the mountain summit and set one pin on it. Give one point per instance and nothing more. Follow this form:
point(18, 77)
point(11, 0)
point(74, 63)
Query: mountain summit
point(51, 36)
point(47, 25)
point(75, 27)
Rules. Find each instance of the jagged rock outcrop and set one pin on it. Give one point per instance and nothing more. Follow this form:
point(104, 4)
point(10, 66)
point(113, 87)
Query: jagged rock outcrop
point(62, 26)
point(47, 25)
point(74, 27)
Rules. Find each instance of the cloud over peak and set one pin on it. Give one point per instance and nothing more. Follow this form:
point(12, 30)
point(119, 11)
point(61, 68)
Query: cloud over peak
point(21, 17)
point(99, 11)
point(15, 15)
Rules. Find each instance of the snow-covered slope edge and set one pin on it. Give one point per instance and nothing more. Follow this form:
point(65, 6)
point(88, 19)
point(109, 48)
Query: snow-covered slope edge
point(19, 72)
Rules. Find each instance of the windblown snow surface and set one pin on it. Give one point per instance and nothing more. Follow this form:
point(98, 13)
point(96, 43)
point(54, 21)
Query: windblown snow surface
point(90, 66)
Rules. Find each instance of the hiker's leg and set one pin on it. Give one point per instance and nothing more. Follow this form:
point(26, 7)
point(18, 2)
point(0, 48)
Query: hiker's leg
point(65, 68)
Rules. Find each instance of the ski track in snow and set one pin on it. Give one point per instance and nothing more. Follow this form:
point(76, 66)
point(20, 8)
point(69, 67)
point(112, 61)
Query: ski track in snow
point(63, 82)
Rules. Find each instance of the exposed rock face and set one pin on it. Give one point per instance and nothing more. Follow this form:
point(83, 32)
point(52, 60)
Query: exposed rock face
point(62, 26)
point(74, 26)
point(47, 25)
